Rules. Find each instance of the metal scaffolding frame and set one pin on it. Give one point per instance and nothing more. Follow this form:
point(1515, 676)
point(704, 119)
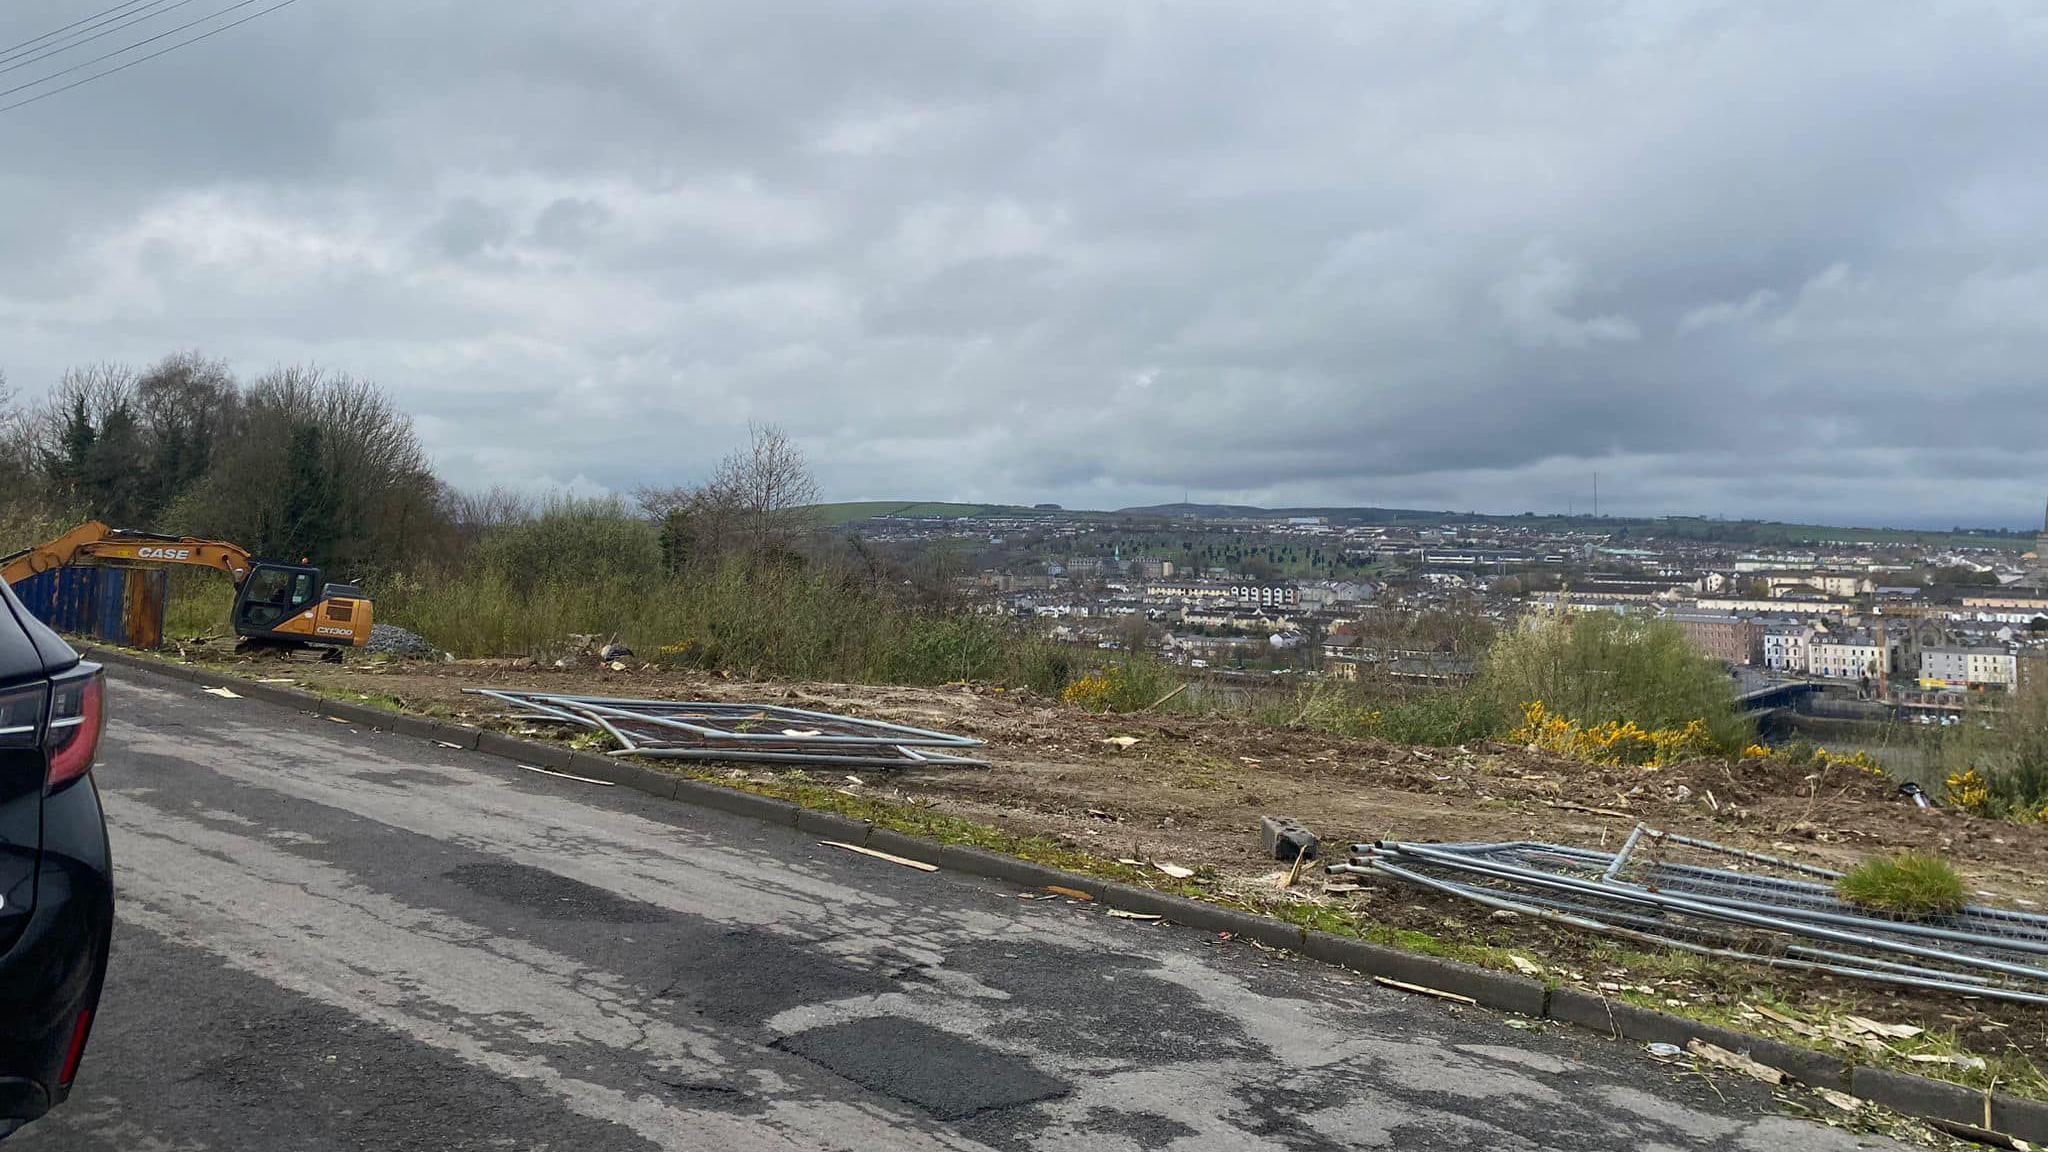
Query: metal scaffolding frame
point(1756, 908)
point(768, 733)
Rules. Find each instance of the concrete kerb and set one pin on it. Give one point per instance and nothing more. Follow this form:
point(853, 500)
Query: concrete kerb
point(1900, 1091)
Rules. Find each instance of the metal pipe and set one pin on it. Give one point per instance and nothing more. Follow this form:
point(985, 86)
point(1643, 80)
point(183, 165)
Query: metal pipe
point(925, 735)
point(1491, 900)
point(1621, 857)
point(1740, 915)
point(757, 737)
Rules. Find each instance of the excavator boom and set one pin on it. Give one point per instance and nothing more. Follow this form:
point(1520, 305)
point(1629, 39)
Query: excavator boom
point(96, 541)
point(275, 603)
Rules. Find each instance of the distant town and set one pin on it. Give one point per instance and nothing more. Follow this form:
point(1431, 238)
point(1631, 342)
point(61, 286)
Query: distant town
point(1925, 625)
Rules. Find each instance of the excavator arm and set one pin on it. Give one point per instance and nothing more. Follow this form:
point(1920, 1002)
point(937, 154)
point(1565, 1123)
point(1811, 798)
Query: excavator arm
point(96, 541)
point(287, 604)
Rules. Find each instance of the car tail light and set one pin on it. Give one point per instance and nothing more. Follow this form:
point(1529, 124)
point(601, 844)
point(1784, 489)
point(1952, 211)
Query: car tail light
point(72, 1055)
point(21, 715)
point(77, 713)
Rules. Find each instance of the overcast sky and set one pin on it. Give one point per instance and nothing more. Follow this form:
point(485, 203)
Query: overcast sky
point(1784, 260)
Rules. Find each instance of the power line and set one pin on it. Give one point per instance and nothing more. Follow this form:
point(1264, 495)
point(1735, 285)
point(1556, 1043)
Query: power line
point(125, 49)
point(123, 67)
point(10, 49)
point(131, 20)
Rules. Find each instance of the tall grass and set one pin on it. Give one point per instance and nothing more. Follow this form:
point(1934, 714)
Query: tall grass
point(758, 620)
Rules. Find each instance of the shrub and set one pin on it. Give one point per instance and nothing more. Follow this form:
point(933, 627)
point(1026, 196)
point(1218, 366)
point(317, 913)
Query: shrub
point(1602, 669)
point(1909, 885)
point(1129, 684)
point(1613, 742)
point(2002, 770)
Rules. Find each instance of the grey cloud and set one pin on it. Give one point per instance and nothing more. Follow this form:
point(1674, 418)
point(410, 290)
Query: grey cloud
point(1740, 258)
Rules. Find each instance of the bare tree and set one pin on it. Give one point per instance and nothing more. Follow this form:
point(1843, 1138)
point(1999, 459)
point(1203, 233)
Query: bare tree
point(758, 502)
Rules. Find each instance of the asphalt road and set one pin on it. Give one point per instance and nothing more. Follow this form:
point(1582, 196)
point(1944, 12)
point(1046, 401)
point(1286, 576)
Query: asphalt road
point(336, 939)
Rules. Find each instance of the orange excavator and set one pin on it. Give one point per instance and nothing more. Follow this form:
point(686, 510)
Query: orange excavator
point(276, 604)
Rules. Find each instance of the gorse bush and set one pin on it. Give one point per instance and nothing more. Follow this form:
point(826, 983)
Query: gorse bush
point(1128, 684)
point(1599, 669)
point(1613, 742)
point(2003, 771)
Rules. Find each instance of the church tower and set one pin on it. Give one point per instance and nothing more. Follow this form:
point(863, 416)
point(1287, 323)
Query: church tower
point(2040, 573)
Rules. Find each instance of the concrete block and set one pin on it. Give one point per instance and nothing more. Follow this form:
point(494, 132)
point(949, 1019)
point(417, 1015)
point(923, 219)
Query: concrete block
point(1643, 1026)
point(971, 861)
point(897, 844)
point(831, 826)
point(1491, 989)
point(2026, 1119)
point(1917, 1095)
point(523, 751)
point(1285, 838)
point(739, 803)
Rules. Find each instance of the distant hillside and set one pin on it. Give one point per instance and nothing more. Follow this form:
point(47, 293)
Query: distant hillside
point(833, 515)
point(1752, 533)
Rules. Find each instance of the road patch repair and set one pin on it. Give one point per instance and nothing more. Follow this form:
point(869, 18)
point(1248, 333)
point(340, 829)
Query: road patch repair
point(1597, 999)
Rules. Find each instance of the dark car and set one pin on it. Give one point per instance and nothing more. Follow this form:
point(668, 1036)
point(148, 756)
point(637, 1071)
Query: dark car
point(56, 878)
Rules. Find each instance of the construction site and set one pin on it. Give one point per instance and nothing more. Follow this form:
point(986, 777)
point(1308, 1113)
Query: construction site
point(1178, 802)
point(1696, 884)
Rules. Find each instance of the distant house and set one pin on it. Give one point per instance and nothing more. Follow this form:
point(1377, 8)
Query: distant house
point(1785, 646)
point(1729, 639)
point(1852, 656)
point(1963, 667)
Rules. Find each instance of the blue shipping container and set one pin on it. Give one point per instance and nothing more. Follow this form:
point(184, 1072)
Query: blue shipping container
point(114, 605)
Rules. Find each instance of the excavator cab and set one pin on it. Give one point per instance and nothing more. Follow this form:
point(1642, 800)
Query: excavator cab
point(292, 604)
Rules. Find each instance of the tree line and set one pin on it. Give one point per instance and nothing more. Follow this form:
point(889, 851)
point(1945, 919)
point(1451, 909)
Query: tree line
point(297, 462)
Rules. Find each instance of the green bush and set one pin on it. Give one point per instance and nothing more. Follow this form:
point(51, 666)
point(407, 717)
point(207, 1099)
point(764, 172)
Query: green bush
point(1599, 667)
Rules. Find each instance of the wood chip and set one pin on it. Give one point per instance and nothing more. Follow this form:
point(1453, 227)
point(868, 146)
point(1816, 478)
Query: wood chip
point(1842, 1100)
point(1419, 990)
point(564, 775)
point(1715, 1054)
point(905, 861)
point(1524, 965)
point(1799, 1026)
point(1878, 1028)
point(1175, 871)
point(223, 693)
point(1120, 742)
point(1069, 893)
point(1123, 915)
point(337, 720)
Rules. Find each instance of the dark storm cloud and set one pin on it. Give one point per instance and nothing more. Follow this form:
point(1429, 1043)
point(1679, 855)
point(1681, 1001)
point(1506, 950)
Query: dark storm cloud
point(1736, 258)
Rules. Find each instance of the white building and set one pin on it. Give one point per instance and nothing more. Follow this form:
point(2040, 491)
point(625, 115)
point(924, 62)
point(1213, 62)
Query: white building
point(1851, 656)
point(1267, 595)
point(1969, 668)
point(1785, 647)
